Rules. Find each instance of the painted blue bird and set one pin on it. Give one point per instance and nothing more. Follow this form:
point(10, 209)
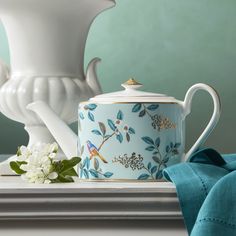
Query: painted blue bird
point(94, 151)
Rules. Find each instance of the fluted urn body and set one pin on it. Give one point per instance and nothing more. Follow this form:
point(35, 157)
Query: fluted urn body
point(47, 41)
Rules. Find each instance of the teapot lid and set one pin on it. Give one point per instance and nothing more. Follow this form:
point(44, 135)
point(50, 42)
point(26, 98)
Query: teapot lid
point(131, 93)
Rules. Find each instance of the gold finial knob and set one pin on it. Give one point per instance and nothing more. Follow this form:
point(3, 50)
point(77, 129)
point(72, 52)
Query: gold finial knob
point(132, 81)
point(131, 84)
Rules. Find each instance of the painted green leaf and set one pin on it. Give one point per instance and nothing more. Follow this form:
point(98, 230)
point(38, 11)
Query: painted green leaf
point(143, 177)
point(171, 145)
point(81, 173)
point(150, 148)
point(127, 137)
point(131, 130)
point(159, 175)
point(91, 116)
point(153, 107)
point(91, 107)
point(157, 141)
point(81, 115)
point(102, 127)
point(120, 115)
point(119, 137)
point(154, 169)
point(137, 107)
point(108, 174)
point(177, 145)
point(167, 148)
point(148, 140)
point(142, 113)
point(97, 132)
point(156, 159)
point(96, 164)
point(111, 124)
point(86, 163)
point(94, 173)
point(149, 165)
point(86, 174)
point(166, 159)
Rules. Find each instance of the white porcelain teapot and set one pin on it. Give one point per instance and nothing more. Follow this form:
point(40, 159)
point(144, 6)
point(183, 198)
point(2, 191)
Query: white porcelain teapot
point(128, 134)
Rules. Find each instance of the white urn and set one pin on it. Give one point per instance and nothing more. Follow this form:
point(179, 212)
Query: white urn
point(47, 41)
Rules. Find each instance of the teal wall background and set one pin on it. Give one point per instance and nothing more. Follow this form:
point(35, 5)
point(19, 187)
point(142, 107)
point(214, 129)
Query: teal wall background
point(167, 45)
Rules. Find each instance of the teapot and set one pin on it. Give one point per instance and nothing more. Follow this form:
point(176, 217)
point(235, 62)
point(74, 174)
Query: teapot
point(130, 134)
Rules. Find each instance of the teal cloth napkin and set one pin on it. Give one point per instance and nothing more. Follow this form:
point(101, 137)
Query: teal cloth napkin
point(206, 188)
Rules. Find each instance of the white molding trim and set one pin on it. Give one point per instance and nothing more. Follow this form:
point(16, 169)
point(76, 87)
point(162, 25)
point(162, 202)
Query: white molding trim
point(87, 200)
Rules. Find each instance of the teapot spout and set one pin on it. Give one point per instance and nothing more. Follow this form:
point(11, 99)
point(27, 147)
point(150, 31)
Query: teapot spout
point(64, 136)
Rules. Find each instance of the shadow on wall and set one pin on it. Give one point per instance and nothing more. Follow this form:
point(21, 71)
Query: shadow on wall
point(168, 46)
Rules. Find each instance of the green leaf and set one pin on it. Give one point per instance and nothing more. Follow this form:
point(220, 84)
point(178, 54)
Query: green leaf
point(69, 164)
point(86, 163)
point(154, 169)
point(150, 148)
point(148, 140)
point(177, 145)
point(127, 137)
point(159, 175)
point(15, 166)
point(86, 174)
point(166, 159)
point(137, 107)
point(97, 132)
point(156, 159)
point(81, 115)
point(64, 179)
point(94, 173)
point(142, 113)
point(70, 172)
point(108, 174)
point(153, 107)
point(143, 177)
point(157, 142)
point(81, 173)
point(131, 130)
point(167, 148)
point(91, 107)
point(91, 116)
point(96, 164)
point(149, 165)
point(102, 127)
point(111, 124)
point(120, 115)
point(119, 137)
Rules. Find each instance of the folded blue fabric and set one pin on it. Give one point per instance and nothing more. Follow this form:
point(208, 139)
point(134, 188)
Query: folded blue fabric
point(206, 188)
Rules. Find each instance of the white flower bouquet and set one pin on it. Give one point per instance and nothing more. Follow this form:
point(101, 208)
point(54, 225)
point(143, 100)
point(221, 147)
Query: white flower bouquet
point(41, 164)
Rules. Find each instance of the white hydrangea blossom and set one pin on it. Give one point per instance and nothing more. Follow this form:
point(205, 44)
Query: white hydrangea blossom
point(38, 162)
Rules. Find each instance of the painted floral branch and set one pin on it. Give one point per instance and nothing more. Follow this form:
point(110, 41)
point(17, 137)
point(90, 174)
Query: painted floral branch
point(158, 121)
point(115, 127)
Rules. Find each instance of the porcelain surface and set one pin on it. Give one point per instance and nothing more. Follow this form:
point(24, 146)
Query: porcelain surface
point(129, 141)
point(42, 66)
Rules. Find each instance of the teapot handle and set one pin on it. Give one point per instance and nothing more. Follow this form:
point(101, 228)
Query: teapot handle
point(214, 119)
